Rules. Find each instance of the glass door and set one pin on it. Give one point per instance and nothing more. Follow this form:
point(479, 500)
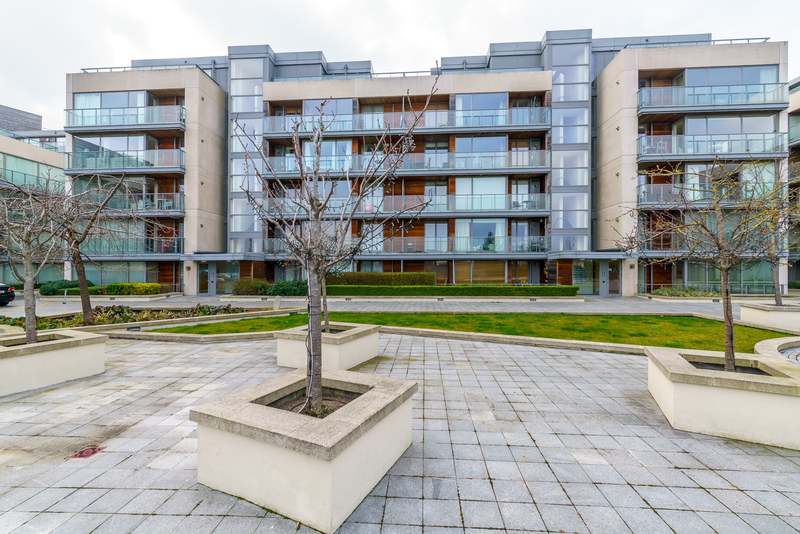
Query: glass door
point(613, 278)
point(202, 273)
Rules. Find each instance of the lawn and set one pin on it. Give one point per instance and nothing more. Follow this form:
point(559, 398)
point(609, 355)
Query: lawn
point(663, 331)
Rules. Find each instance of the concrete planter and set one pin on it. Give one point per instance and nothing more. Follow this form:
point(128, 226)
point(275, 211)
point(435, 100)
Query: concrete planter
point(316, 471)
point(757, 408)
point(771, 315)
point(353, 345)
point(56, 358)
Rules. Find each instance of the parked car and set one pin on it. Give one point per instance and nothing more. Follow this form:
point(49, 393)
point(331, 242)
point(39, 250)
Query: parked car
point(6, 294)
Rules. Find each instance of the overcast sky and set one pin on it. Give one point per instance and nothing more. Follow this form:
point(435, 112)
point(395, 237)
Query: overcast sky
point(42, 40)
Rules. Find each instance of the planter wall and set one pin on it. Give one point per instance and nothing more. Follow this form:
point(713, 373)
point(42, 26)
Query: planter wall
point(760, 409)
point(57, 357)
point(345, 350)
point(787, 317)
point(316, 471)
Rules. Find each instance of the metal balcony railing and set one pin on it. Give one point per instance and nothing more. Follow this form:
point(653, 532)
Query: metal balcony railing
point(710, 145)
point(439, 245)
point(423, 162)
point(443, 119)
point(714, 95)
point(30, 141)
point(131, 159)
point(144, 201)
point(140, 116)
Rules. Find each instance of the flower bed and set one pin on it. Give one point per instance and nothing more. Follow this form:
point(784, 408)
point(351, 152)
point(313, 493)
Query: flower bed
point(124, 314)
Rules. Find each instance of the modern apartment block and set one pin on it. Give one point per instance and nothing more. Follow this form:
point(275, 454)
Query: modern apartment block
point(794, 173)
point(525, 157)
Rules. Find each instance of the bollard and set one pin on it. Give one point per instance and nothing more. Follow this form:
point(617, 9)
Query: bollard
point(277, 304)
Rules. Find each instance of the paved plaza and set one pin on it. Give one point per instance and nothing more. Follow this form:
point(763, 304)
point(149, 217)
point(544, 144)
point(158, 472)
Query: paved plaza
point(507, 438)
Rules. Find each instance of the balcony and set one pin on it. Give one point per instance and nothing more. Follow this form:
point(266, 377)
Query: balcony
point(123, 119)
point(30, 141)
point(698, 147)
point(794, 134)
point(169, 203)
point(22, 179)
point(528, 161)
point(662, 242)
point(535, 118)
point(428, 205)
point(713, 98)
point(134, 246)
point(439, 245)
point(666, 194)
point(150, 161)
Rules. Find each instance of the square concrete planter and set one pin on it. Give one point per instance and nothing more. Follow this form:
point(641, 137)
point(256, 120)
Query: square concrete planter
point(56, 358)
point(352, 345)
point(757, 408)
point(315, 471)
point(787, 317)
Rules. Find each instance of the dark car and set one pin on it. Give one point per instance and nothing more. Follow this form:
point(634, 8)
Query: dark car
point(6, 294)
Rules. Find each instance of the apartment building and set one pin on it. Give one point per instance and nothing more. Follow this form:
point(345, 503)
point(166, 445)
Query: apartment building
point(794, 173)
point(525, 157)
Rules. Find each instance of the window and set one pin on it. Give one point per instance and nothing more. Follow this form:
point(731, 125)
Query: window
point(573, 54)
point(334, 106)
point(480, 235)
point(716, 76)
point(247, 68)
point(481, 144)
point(435, 236)
point(482, 109)
point(252, 128)
point(481, 193)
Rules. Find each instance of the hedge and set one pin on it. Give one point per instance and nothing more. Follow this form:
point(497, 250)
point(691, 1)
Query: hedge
point(452, 291)
point(253, 286)
point(382, 279)
point(93, 290)
point(133, 289)
point(794, 284)
point(57, 287)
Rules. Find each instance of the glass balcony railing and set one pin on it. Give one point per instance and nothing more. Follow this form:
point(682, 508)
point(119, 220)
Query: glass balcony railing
point(131, 159)
point(794, 133)
point(35, 142)
point(680, 145)
point(662, 241)
point(142, 116)
point(143, 201)
point(426, 204)
point(439, 245)
point(134, 246)
point(715, 95)
point(687, 193)
point(421, 161)
point(20, 179)
point(443, 119)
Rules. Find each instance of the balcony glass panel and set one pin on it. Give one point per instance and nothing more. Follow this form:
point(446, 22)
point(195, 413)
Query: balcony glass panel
point(721, 95)
point(652, 145)
point(134, 245)
point(129, 159)
point(125, 116)
point(439, 245)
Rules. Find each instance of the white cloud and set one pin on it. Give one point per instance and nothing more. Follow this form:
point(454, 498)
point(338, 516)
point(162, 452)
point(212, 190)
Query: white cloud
point(48, 39)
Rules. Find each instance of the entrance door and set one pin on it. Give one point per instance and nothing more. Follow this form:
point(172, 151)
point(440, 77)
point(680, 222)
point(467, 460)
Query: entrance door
point(207, 278)
point(609, 278)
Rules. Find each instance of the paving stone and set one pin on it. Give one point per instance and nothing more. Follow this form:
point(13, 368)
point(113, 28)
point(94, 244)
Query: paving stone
point(521, 516)
point(480, 514)
point(240, 525)
point(441, 513)
point(401, 511)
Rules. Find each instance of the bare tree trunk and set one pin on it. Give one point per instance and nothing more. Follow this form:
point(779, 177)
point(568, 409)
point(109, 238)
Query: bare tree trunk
point(86, 301)
point(727, 313)
point(776, 284)
point(30, 301)
point(324, 284)
point(314, 374)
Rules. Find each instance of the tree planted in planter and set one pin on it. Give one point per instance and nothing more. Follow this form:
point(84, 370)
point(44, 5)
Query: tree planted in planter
point(30, 228)
point(715, 215)
point(331, 211)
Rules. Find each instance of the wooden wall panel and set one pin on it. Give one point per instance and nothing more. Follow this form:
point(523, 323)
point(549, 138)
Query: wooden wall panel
point(564, 272)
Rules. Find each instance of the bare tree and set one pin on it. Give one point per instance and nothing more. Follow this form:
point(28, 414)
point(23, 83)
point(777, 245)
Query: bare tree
point(317, 226)
point(715, 217)
point(30, 230)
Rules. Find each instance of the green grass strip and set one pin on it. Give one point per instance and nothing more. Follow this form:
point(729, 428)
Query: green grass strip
point(660, 331)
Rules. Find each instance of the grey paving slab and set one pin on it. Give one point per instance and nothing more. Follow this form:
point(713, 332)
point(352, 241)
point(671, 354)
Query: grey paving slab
point(506, 438)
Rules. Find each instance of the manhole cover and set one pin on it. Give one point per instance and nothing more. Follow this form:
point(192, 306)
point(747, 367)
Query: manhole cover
point(87, 452)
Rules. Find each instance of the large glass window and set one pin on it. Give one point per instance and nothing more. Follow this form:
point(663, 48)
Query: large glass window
point(481, 144)
point(334, 106)
point(249, 134)
point(570, 74)
point(481, 193)
point(750, 75)
point(573, 54)
point(247, 68)
point(481, 101)
point(476, 235)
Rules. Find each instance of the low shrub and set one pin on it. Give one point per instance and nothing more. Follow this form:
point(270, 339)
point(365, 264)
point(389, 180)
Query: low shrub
point(133, 289)
point(251, 286)
point(167, 288)
point(794, 284)
point(382, 279)
point(93, 290)
point(295, 288)
point(57, 287)
point(683, 292)
point(453, 291)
